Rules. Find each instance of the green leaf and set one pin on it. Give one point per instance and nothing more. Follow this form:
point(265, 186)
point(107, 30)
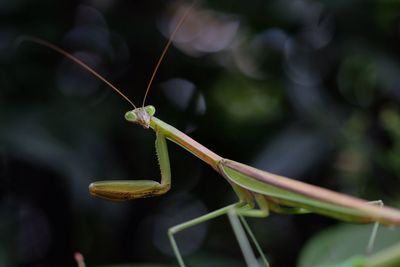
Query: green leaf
point(344, 245)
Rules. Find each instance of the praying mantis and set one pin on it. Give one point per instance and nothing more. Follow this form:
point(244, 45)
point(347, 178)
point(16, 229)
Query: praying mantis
point(258, 191)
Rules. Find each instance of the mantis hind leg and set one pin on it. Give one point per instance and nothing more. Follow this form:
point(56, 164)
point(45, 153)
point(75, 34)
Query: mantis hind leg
point(374, 231)
point(234, 212)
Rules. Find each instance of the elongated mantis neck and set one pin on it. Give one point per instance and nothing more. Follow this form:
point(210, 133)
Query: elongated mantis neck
point(181, 139)
point(145, 117)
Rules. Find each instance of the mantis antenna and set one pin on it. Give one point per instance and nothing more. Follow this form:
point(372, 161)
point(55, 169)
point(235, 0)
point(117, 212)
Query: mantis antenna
point(164, 52)
point(74, 59)
point(92, 71)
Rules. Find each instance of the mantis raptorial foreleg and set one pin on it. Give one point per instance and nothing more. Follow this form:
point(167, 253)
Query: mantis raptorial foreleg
point(132, 189)
point(269, 191)
point(163, 160)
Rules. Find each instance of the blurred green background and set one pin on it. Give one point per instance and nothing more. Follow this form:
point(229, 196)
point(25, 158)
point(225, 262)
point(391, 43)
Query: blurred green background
point(305, 89)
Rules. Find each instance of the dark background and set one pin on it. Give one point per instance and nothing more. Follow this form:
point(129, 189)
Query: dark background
point(305, 89)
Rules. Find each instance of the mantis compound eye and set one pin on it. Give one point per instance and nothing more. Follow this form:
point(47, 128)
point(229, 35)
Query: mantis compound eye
point(131, 116)
point(150, 109)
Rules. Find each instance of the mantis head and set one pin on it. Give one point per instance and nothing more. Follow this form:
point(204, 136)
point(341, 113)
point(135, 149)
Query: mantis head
point(141, 115)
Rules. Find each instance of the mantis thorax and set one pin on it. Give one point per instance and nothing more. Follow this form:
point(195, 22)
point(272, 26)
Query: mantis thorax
point(141, 115)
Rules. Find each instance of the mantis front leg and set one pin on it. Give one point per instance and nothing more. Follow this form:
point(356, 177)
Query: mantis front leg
point(125, 189)
point(120, 190)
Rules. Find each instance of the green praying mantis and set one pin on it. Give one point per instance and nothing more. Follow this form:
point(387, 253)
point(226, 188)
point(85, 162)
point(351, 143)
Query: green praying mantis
point(258, 191)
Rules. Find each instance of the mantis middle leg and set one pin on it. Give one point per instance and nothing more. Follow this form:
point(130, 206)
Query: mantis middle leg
point(234, 211)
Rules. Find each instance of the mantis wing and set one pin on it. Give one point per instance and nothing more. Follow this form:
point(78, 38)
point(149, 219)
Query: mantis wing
point(292, 193)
